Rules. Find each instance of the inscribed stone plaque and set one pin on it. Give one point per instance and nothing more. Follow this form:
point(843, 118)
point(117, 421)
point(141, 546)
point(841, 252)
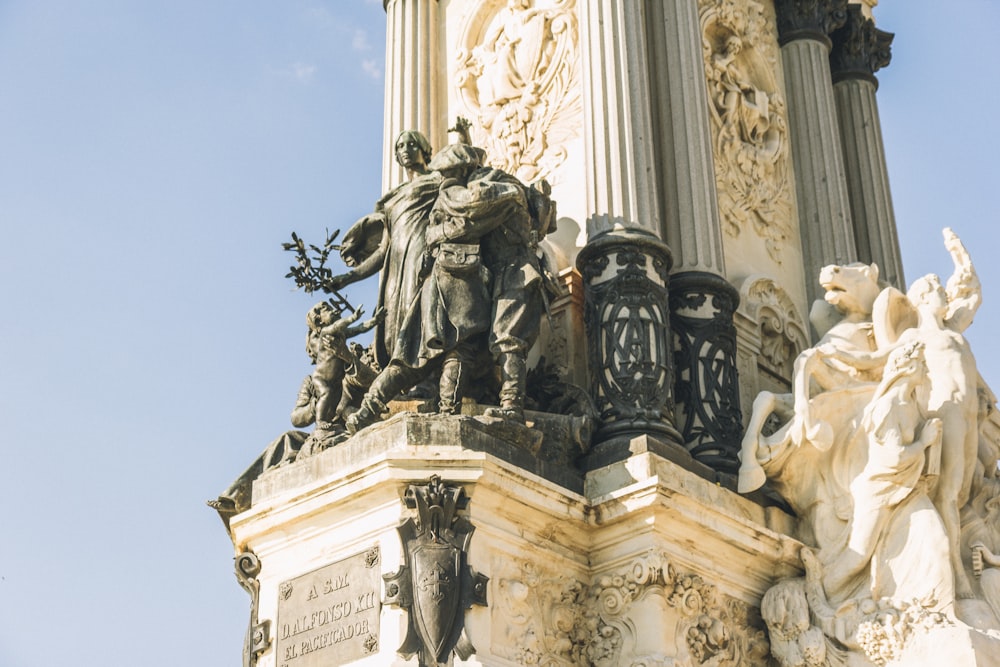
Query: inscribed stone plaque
point(330, 616)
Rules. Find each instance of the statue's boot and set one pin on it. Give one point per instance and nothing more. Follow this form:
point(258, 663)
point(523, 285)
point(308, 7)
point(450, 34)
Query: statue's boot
point(513, 383)
point(371, 411)
point(454, 379)
point(386, 386)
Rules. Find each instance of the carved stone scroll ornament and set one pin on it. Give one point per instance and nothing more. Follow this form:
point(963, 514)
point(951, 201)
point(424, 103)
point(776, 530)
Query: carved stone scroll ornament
point(435, 584)
point(517, 72)
point(781, 329)
point(628, 331)
point(809, 19)
point(859, 48)
point(707, 386)
point(258, 637)
point(538, 614)
point(649, 614)
point(749, 127)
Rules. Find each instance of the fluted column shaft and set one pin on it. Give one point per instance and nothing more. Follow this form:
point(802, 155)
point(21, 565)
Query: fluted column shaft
point(618, 146)
point(859, 50)
point(691, 223)
point(702, 302)
point(412, 101)
point(820, 183)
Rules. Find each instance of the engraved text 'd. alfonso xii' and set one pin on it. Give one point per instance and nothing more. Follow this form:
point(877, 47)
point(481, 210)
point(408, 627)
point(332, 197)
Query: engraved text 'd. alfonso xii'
point(330, 616)
point(435, 582)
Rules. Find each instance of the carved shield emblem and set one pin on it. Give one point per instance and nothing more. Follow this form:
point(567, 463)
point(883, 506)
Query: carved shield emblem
point(436, 572)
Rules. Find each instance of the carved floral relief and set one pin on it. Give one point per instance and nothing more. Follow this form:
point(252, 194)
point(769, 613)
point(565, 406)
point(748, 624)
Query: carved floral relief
point(749, 124)
point(695, 624)
point(782, 331)
point(517, 73)
point(542, 614)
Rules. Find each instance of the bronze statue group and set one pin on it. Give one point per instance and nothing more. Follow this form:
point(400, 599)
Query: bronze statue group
point(461, 294)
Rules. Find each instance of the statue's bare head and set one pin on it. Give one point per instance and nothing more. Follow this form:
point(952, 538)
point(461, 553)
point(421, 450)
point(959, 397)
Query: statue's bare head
point(413, 151)
point(906, 361)
point(321, 315)
point(852, 288)
point(928, 296)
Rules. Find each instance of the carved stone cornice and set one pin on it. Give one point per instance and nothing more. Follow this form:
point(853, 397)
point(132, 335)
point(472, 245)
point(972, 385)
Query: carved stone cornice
point(859, 48)
point(809, 19)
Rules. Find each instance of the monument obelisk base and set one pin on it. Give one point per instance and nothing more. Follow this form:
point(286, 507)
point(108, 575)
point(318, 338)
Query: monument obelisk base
point(638, 560)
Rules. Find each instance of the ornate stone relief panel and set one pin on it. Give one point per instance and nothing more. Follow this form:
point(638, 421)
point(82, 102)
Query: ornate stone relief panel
point(783, 333)
point(648, 614)
point(517, 73)
point(541, 613)
point(644, 614)
point(749, 124)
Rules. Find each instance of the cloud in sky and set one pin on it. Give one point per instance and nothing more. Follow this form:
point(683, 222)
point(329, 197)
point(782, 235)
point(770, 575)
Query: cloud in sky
point(371, 68)
point(360, 41)
point(299, 72)
point(303, 72)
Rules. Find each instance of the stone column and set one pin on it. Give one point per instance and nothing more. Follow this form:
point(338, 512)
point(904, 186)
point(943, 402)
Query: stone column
point(820, 184)
point(414, 79)
point(860, 50)
point(702, 302)
point(618, 126)
point(625, 263)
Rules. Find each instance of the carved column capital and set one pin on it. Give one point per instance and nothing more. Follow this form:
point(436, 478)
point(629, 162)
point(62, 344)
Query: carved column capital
point(809, 19)
point(859, 48)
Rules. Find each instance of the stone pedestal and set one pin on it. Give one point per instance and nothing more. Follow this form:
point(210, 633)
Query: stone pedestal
point(631, 563)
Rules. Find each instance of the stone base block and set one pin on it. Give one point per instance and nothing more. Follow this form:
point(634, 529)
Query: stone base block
point(637, 562)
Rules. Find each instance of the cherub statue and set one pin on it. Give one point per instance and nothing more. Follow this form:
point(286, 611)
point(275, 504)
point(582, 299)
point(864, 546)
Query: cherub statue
point(336, 385)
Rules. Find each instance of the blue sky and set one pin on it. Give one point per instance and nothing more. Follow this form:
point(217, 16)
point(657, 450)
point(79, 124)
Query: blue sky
point(153, 157)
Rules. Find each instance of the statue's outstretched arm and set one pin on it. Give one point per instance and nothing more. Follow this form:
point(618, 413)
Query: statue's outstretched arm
point(379, 315)
point(964, 289)
point(364, 249)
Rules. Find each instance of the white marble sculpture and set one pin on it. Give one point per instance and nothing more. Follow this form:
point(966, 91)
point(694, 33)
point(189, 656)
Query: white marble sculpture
point(877, 449)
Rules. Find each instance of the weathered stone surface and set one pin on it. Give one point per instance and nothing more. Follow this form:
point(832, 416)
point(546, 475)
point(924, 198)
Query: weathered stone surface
point(643, 530)
point(878, 450)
